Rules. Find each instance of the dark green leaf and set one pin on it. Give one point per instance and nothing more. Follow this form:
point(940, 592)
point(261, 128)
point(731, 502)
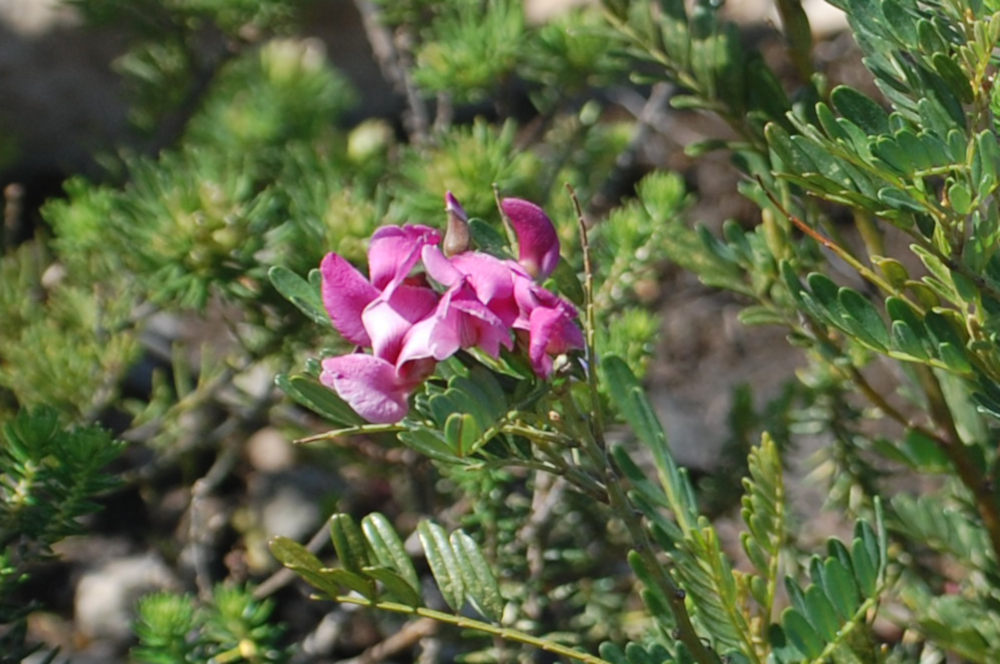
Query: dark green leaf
point(395, 585)
point(356, 581)
point(320, 399)
point(863, 319)
point(800, 633)
point(443, 564)
point(840, 588)
point(462, 433)
point(388, 548)
point(300, 560)
point(477, 576)
point(860, 110)
point(634, 405)
point(349, 542)
point(821, 613)
point(299, 292)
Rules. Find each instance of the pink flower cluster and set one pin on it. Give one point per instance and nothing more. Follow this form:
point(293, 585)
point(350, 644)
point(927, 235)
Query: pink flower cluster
point(419, 306)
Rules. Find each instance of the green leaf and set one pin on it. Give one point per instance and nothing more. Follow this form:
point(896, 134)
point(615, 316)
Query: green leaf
point(960, 198)
point(300, 560)
point(477, 576)
point(634, 405)
point(865, 567)
point(349, 542)
point(840, 588)
point(299, 292)
point(761, 315)
point(906, 341)
point(463, 434)
point(293, 555)
point(899, 199)
point(862, 319)
point(800, 633)
point(953, 77)
point(443, 563)
point(821, 613)
point(395, 585)
point(428, 443)
point(323, 401)
point(356, 581)
point(860, 110)
point(388, 548)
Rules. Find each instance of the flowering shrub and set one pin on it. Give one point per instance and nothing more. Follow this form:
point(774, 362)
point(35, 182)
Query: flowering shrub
point(484, 386)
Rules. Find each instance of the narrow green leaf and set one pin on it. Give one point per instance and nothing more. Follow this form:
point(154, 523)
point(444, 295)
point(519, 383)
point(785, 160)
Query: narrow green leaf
point(840, 588)
point(954, 357)
point(443, 564)
point(860, 110)
point(899, 199)
point(905, 340)
point(323, 401)
point(300, 560)
point(800, 633)
point(348, 542)
point(863, 319)
point(634, 405)
point(822, 616)
point(428, 443)
point(865, 570)
point(463, 434)
point(299, 292)
point(953, 77)
point(293, 555)
point(480, 583)
point(388, 548)
point(395, 585)
point(356, 581)
point(761, 315)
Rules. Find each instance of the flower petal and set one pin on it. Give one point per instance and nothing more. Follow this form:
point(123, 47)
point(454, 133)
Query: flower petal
point(346, 293)
point(553, 332)
point(368, 384)
point(394, 250)
point(537, 242)
point(389, 318)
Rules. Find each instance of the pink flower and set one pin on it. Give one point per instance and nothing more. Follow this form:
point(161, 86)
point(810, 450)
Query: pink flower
point(409, 326)
point(537, 242)
point(550, 323)
point(380, 314)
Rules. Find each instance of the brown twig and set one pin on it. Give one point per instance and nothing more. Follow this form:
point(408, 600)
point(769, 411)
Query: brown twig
point(392, 53)
point(616, 183)
point(405, 638)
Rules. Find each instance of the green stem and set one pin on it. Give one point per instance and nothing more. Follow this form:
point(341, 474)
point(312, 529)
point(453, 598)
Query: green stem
point(972, 476)
point(592, 437)
point(356, 430)
point(462, 622)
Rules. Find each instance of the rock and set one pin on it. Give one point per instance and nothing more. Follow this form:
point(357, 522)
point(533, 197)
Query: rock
point(106, 595)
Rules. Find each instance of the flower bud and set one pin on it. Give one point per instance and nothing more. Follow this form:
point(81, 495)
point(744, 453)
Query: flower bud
point(456, 237)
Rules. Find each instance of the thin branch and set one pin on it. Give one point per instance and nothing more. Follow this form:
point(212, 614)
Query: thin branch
point(392, 53)
point(404, 639)
point(462, 622)
point(649, 118)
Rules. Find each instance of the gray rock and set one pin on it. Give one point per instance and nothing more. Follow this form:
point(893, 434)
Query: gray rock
point(106, 595)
